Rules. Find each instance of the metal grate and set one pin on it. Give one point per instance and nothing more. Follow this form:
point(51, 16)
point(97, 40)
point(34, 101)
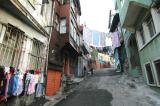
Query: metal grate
point(11, 46)
point(37, 55)
point(13, 50)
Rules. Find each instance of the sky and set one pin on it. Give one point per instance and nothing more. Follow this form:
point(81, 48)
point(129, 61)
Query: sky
point(95, 13)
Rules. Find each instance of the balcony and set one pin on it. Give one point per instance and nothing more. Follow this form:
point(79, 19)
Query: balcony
point(131, 11)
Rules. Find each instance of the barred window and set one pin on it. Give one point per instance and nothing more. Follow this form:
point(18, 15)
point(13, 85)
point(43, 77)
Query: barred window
point(37, 55)
point(11, 46)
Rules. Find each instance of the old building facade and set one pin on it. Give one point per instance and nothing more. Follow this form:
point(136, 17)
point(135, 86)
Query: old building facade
point(24, 43)
point(65, 56)
point(140, 20)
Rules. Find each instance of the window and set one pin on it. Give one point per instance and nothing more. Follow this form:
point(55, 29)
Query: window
point(151, 26)
point(11, 47)
point(1, 27)
point(71, 29)
point(63, 25)
point(73, 6)
point(2, 32)
point(43, 7)
point(74, 34)
point(157, 66)
point(142, 36)
point(77, 40)
point(56, 22)
point(37, 55)
point(149, 73)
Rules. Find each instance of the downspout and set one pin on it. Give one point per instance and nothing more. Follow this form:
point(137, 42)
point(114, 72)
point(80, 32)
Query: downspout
point(49, 38)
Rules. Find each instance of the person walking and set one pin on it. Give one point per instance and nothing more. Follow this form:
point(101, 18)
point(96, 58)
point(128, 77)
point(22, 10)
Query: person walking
point(91, 66)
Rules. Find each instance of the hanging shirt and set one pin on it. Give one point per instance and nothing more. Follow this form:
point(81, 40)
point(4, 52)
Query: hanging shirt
point(31, 86)
point(115, 39)
point(27, 79)
point(7, 84)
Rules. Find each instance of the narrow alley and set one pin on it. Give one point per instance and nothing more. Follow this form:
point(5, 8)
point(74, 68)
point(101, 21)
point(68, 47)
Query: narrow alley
point(79, 53)
point(107, 88)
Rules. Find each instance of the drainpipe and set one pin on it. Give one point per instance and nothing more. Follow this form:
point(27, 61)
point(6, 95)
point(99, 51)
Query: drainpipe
point(49, 38)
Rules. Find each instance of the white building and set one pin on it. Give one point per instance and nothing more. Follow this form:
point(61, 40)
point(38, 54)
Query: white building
point(24, 33)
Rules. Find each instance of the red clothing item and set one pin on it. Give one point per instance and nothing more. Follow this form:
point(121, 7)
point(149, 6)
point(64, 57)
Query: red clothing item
point(11, 71)
point(37, 71)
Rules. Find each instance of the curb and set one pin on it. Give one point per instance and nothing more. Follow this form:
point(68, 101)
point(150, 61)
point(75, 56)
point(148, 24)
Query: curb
point(53, 101)
point(58, 98)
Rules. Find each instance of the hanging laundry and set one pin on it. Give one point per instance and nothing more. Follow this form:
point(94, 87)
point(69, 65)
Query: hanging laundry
point(13, 84)
point(115, 37)
point(27, 79)
point(31, 86)
point(7, 84)
point(2, 80)
point(19, 86)
point(37, 71)
point(12, 70)
point(7, 69)
point(39, 90)
point(36, 78)
point(41, 80)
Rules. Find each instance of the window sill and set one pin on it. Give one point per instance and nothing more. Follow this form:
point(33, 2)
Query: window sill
point(142, 47)
point(152, 84)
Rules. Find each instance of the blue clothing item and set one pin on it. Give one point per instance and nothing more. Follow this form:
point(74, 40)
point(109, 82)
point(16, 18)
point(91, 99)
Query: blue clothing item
point(96, 38)
point(39, 90)
point(116, 57)
point(19, 87)
point(13, 83)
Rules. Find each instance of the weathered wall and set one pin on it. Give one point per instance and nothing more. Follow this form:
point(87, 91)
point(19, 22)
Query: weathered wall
point(30, 32)
point(150, 53)
point(132, 71)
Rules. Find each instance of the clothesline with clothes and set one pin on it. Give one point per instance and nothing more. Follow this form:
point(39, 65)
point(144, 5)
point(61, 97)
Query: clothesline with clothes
point(13, 82)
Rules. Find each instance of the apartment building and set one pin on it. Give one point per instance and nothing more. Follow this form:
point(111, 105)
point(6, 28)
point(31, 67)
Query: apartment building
point(24, 42)
point(140, 20)
point(65, 56)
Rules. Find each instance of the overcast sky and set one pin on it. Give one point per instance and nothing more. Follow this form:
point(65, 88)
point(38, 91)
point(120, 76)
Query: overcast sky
point(95, 13)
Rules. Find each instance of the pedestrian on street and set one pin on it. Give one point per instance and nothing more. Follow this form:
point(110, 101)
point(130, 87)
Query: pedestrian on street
point(84, 68)
point(91, 66)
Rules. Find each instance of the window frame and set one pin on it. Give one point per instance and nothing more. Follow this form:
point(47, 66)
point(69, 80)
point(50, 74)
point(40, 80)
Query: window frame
point(64, 27)
point(150, 22)
point(155, 71)
point(147, 32)
point(71, 29)
point(36, 55)
point(152, 71)
point(142, 35)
